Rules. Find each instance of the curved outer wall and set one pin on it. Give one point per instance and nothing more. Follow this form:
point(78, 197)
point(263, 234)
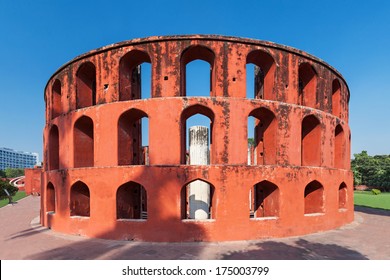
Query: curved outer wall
point(303, 167)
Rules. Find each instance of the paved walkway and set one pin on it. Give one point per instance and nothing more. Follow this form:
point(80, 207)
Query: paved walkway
point(21, 237)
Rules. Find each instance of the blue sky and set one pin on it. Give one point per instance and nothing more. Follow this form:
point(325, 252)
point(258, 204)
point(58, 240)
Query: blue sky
point(38, 36)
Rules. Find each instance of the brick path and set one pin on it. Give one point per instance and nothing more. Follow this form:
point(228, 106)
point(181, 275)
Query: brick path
point(21, 237)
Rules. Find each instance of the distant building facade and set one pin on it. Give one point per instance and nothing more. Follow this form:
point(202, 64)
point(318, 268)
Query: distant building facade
point(10, 158)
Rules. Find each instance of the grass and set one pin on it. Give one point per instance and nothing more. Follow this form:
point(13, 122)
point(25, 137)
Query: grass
point(368, 199)
point(16, 197)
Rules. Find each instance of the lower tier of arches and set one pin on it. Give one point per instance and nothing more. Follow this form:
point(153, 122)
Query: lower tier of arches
point(156, 203)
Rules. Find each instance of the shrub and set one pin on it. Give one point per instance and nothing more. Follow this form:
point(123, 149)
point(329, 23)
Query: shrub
point(375, 191)
point(6, 185)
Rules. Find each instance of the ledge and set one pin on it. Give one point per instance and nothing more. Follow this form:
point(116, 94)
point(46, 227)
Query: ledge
point(314, 214)
point(80, 217)
point(198, 221)
point(132, 220)
point(273, 218)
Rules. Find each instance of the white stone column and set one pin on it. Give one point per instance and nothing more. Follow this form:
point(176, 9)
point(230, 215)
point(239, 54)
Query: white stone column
point(199, 191)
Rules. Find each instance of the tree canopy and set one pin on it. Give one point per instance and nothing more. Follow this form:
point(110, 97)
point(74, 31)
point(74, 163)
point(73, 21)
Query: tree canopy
point(251, 142)
point(6, 185)
point(12, 172)
point(372, 171)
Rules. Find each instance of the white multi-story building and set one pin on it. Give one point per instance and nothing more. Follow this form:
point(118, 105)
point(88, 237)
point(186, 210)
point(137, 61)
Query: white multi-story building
point(10, 158)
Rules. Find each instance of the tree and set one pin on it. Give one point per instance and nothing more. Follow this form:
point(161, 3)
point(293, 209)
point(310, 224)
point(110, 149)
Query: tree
point(2, 174)
point(251, 142)
point(373, 171)
point(14, 172)
point(5, 185)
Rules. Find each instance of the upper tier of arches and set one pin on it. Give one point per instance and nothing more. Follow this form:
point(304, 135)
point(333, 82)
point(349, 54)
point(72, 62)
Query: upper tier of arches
point(115, 74)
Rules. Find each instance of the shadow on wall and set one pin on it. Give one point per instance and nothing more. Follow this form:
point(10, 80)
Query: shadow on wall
point(301, 250)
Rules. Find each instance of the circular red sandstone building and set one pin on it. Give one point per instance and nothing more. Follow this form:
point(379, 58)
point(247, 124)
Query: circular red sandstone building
point(100, 180)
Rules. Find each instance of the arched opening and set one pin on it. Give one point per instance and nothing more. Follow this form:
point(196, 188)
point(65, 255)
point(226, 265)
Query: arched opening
point(260, 75)
point(56, 95)
point(197, 201)
point(50, 198)
point(198, 140)
point(307, 85)
point(135, 76)
point(83, 140)
point(314, 198)
point(264, 125)
point(198, 78)
point(196, 83)
point(54, 158)
point(343, 196)
point(133, 137)
point(339, 147)
point(86, 85)
point(336, 98)
point(264, 200)
point(311, 141)
point(79, 200)
point(196, 115)
point(131, 201)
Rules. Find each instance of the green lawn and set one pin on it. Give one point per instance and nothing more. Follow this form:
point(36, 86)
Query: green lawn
point(366, 198)
point(17, 196)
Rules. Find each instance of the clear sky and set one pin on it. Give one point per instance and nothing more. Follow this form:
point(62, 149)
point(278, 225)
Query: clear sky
point(39, 36)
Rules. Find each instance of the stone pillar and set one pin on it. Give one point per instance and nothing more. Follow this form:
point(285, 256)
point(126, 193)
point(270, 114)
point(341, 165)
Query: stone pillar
point(199, 191)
